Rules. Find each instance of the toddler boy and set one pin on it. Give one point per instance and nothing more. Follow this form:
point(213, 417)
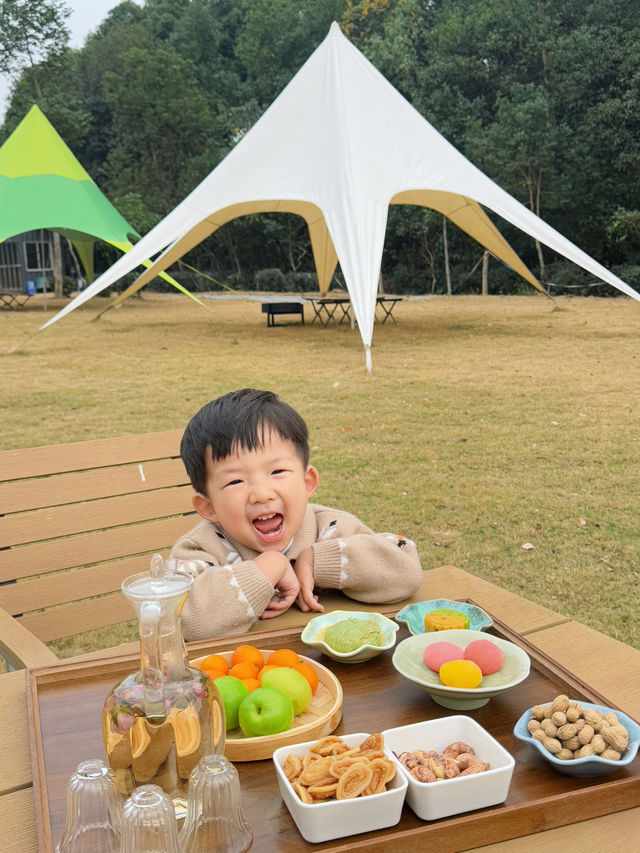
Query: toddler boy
point(262, 546)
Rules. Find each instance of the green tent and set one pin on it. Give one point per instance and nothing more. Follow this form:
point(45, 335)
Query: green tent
point(42, 185)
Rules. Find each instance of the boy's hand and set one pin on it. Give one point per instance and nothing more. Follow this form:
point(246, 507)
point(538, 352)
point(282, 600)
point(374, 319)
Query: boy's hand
point(306, 600)
point(287, 589)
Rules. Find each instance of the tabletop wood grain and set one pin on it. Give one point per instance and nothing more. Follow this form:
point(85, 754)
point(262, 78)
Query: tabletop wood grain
point(607, 665)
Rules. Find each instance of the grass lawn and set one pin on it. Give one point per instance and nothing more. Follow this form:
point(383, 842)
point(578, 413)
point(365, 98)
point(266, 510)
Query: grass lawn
point(488, 423)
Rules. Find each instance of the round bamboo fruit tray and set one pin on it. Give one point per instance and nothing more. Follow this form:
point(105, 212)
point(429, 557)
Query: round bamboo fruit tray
point(320, 718)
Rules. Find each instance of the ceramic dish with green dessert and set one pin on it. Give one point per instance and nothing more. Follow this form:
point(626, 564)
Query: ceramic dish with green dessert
point(413, 614)
point(350, 636)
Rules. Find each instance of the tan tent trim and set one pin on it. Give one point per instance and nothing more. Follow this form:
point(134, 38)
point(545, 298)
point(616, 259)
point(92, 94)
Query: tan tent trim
point(462, 211)
point(471, 218)
point(324, 253)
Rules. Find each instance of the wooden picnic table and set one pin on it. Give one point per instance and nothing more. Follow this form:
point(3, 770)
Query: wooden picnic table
point(605, 664)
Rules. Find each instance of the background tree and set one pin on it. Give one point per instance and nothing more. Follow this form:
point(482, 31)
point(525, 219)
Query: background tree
point(34, 32)
point(541, 96)
point(30, 32)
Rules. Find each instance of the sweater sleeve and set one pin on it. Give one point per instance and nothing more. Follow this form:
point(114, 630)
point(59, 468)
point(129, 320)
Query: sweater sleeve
point(376, 568)
point(228, 594)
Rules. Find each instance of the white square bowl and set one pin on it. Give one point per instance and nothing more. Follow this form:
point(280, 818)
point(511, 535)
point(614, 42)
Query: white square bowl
point(433, 800)
point(337, 818)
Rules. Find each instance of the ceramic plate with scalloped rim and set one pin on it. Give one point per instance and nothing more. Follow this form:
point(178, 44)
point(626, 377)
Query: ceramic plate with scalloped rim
point(313, 635)
point(407, 659)
point(413, 614)
point(591, 765)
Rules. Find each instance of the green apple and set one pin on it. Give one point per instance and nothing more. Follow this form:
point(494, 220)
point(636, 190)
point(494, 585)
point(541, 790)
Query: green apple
point(265, 711)
point(233, 692)
point(293, 684)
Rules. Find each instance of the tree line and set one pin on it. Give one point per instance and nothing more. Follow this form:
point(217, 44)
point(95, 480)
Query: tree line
point(542, 95)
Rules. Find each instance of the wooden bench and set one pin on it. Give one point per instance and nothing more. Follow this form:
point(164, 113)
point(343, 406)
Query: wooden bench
point(75, 519)
point(271, 309)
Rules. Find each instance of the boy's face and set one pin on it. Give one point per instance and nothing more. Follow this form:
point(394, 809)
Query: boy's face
point(258, 496)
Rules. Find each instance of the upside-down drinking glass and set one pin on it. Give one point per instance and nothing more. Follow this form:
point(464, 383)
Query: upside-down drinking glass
point(214, 820)
point(149, 822)
point(93, 811)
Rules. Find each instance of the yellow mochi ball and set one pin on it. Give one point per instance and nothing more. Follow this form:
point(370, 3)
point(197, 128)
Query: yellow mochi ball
point(460, 673)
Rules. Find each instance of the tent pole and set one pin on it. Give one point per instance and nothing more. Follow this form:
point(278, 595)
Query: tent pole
point(367, 356)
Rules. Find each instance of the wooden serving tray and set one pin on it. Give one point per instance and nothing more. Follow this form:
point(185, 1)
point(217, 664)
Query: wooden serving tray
point(320, 718)
point(65, 701)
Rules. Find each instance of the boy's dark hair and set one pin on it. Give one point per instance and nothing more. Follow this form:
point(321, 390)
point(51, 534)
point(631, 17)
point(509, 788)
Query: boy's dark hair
point(239, 419)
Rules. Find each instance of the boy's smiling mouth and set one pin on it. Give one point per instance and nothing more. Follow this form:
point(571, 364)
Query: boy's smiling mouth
point(268, 526)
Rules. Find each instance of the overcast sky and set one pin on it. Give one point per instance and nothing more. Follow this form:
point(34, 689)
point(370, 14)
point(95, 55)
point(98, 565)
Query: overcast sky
point(86, 16)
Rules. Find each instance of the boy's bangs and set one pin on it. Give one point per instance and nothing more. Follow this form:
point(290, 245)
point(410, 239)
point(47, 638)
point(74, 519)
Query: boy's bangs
point(251, 436)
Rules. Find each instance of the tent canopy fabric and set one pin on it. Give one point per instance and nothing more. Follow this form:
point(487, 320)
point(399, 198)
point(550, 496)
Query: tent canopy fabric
point(42, 185)
point(337, 146)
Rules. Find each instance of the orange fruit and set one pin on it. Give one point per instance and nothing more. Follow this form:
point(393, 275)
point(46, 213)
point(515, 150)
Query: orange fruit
point(252, 684)
point(214, 673)
point(248, 654)
point(309, 673)
point(284, 657)
point(215, 662)
point(243, 670)
point(266, 669)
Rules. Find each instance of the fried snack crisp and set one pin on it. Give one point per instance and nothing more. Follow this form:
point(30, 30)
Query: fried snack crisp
point(323, 792)
point(354, 780)
point(326, 745)
point(378, 775)
point(340, 764)
point(332, 770)
point(317, 773)
point(303, 793)
point(292, 767)
point(375, 741)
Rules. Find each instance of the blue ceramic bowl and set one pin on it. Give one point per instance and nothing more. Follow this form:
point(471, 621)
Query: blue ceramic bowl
point(413, 614)
point(591, 765)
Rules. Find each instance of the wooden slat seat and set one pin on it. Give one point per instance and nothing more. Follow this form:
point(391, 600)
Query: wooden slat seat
point(75, 519)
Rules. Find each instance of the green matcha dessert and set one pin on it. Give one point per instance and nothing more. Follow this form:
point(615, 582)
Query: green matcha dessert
point(349, 634)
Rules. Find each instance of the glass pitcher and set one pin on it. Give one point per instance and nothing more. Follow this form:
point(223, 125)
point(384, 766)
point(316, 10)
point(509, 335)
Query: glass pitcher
point(159, 721)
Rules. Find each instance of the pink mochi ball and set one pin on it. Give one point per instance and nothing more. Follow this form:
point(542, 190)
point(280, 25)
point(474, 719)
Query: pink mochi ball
point(486, 655)
point(438, 653)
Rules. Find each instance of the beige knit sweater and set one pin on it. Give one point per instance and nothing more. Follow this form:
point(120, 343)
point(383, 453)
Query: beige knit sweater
point(230, 592)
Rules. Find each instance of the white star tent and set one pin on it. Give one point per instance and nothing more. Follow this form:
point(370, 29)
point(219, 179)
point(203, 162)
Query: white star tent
point(338, 146)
